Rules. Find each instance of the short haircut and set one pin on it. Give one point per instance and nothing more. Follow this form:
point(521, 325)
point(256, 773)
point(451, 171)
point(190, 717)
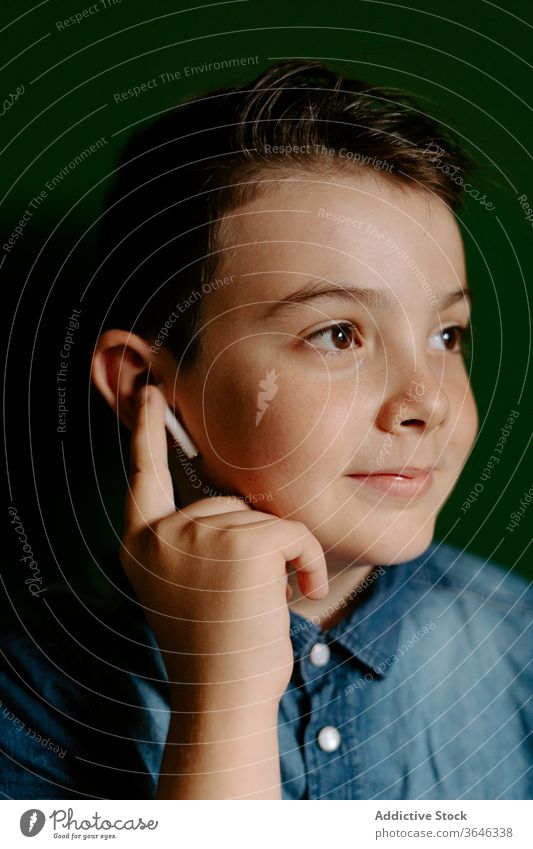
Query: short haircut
point(160, 237)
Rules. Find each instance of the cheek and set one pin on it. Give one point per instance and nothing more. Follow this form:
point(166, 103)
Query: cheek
point(269, 415)
point(466, 423)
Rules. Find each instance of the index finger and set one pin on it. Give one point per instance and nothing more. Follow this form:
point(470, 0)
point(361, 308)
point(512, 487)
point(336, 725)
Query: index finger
point(305, 554)
point(150, 493)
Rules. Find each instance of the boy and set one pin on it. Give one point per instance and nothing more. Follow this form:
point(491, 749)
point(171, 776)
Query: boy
point(296, 292)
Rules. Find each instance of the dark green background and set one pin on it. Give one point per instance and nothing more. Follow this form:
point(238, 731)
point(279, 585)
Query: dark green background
point(469, 62)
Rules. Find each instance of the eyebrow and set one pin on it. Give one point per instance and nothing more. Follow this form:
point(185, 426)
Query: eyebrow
point(379, 299)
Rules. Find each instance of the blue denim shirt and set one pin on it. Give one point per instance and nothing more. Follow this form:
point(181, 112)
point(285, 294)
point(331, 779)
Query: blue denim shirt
point(423, 692)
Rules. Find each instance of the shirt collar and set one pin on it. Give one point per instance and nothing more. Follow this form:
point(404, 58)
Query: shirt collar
point(371, 631)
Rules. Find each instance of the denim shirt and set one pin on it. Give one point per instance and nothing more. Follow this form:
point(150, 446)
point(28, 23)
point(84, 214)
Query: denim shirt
point(424, 691)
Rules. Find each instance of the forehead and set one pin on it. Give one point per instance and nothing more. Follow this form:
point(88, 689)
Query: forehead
point(361, 228)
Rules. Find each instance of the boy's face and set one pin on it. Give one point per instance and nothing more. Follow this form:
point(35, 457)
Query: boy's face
point(286, 422)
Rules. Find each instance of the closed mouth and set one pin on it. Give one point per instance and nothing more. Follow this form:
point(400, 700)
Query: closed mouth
point(405, 482)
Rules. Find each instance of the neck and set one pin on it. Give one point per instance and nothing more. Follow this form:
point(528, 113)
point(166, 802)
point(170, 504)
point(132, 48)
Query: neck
point(345, 588)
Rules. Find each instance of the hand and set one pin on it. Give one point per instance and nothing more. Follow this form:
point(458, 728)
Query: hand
point(212, 577)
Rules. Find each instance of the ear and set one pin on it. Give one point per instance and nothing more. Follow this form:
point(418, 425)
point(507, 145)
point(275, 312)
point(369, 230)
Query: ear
point(121, 364)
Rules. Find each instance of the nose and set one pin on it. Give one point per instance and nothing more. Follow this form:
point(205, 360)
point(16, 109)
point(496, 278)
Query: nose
point(418, 402)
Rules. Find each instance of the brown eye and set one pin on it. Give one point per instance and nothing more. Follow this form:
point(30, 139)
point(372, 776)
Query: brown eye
point(454, 337)
point(339, 336)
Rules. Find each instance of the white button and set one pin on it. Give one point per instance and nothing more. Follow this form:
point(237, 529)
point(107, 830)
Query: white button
point(319, 654)
point(329, 738)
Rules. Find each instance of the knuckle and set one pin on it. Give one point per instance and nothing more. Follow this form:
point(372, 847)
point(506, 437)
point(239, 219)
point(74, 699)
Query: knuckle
point(242, 546)
point(194, 533)
point(233, 542)
point(300, 528)
point(139, 468)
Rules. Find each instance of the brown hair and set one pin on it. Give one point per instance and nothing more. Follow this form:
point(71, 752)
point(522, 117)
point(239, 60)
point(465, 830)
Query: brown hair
point(177, 178)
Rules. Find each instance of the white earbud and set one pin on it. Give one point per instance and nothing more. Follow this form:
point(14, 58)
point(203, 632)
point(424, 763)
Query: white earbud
point(180, 434)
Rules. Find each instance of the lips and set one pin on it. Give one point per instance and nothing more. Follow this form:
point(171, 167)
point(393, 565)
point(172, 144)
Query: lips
point(401, 471)
point(401, 482)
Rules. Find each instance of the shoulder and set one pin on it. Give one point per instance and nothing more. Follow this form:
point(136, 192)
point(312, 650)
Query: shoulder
point(37, 706)
point(480, 616)
point(78, 717)
point(454, 572)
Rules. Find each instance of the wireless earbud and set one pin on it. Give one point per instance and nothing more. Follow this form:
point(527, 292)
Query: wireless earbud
point(180, 434)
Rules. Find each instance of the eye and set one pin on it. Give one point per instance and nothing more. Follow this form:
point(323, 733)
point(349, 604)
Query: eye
point(336, 338)
point(455, 339)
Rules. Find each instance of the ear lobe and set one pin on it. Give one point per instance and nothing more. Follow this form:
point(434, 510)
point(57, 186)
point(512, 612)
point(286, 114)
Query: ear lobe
point(120, 366)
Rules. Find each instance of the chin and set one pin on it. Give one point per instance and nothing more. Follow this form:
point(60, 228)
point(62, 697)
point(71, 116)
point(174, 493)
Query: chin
point(384, 546)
